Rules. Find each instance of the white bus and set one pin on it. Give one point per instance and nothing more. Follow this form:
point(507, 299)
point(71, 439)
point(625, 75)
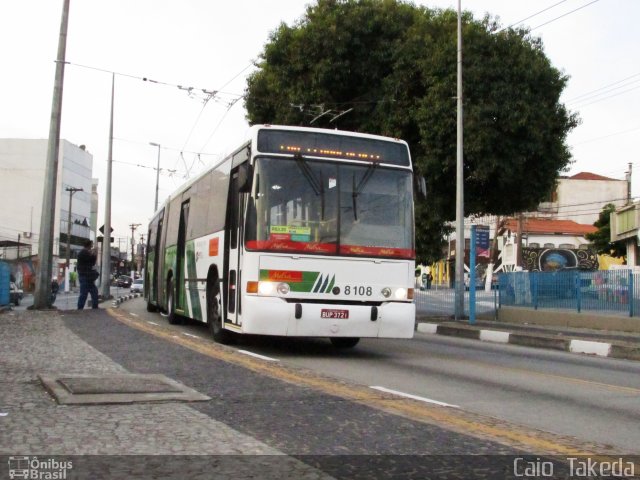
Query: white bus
point(300, 232)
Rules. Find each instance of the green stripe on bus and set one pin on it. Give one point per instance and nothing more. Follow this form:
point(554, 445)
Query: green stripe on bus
point(331, 284)
point(305, 285)
point(196, 310)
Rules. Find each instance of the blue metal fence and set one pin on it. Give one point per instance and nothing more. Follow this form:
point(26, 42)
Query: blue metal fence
point(609, 292)
point(439, 301)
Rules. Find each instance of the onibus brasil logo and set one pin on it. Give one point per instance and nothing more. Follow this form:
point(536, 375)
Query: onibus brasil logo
point(36, 469)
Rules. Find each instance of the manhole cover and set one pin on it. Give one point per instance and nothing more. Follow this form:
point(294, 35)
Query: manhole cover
point(128, 388)
point(129, 384)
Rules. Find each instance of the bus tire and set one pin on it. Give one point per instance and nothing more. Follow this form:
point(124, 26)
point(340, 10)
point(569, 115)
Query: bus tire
point(172, 316)
point(344, 342)
point(151, 307)
point(214, 315)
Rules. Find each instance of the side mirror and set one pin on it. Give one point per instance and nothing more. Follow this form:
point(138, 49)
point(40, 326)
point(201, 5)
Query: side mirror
point(244, 177)
point(420, 186)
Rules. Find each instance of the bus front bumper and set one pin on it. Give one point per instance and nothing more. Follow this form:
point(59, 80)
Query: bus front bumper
point(275, 316)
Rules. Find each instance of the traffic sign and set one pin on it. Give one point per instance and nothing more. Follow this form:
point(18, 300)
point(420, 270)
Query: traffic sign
point(102, 230)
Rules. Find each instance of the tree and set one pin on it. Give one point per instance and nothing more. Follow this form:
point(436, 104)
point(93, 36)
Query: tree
point(601, 238)
point(394, 65)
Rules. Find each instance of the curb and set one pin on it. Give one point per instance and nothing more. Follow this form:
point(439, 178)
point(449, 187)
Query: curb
point(119, 300)
point(571, 345)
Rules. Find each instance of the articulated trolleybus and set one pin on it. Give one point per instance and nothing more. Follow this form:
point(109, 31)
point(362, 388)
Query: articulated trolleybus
point(300, 232)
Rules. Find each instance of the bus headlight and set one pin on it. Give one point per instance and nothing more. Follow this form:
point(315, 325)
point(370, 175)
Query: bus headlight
point(265, 288)
point(283, 288)
point(386, 292)
point(401, 294)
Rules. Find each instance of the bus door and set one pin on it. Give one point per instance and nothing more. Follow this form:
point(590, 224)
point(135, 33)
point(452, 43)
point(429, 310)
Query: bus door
point(180, 296)
point(233, 239)
point(154, 286)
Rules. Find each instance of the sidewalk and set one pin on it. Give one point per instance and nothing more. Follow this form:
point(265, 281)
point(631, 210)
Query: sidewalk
point(605, 343)
point(257, 420)
point(122, 440)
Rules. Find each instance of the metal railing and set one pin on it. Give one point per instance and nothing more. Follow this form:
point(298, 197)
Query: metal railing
point(439, 301)
point(609, 292)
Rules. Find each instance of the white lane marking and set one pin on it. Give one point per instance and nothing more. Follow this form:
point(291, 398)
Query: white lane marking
point(189, 335)
point(153, 323)
point(494, 336)
point(3, 414)
point(414, 397)
point(258, 356)
point(133, 314)
point(428, 327)
point(592, 348)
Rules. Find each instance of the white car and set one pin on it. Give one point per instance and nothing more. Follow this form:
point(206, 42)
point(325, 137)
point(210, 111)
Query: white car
point(137, 286)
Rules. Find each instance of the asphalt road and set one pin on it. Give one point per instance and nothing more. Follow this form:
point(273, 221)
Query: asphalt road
point(591, 399)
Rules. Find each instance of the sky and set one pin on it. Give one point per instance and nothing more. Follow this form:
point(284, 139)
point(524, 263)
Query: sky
point(190, 48)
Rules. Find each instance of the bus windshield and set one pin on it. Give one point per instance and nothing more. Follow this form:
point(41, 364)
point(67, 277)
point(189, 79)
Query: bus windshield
point(310, 206)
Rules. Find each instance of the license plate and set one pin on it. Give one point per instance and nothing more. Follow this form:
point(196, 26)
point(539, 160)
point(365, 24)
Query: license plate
point(331, 313)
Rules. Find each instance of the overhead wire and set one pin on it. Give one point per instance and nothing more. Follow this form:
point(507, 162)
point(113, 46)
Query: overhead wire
point(530, 16)
point(202, 111)
point(562, 16)
point(588, 94)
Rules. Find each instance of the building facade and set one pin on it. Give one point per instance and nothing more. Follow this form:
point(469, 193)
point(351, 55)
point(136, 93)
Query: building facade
point(22, 163)
point(581, 197)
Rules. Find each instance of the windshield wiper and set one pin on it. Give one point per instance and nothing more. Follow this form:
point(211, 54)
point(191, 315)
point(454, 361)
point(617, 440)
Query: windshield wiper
point(316, 184)
point(358, 190)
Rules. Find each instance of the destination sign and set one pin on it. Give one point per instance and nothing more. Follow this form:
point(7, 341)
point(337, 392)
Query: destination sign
point(325, 145)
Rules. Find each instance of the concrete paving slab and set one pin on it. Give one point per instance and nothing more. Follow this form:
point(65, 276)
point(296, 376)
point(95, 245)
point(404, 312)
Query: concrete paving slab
point(110, 389)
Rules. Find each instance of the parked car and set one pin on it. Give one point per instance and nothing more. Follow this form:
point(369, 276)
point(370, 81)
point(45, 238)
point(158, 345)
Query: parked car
point(137, 286)
point(15, 294)
point(124, 281)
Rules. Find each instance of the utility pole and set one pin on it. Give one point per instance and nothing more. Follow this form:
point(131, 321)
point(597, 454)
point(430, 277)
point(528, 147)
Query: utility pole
point(71, 191)
point(42, 297)
point(105, 275)
point(519, 240)
point(155, 205)
point(141, 256)
point(629, 184)
point(133, 227)
point(459, 295)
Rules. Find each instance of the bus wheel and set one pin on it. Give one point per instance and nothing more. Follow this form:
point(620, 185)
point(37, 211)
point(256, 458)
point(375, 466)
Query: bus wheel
point(151, 307)
point(214, 316)
point(173, 318)
point(344, 342)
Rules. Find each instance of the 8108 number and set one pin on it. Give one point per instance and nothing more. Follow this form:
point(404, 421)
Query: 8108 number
point(355, 290)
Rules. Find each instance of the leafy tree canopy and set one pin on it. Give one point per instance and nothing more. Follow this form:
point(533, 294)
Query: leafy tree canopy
point(601, 238)
point(394, 64)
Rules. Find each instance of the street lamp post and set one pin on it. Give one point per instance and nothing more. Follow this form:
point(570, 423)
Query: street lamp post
point(71, 191)
point(155, 205)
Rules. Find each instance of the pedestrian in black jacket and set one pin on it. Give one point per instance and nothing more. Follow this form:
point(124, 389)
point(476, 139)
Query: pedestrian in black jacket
point(87, 275)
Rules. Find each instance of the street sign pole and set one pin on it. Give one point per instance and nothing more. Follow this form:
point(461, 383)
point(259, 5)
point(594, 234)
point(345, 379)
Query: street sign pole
point(472, 276)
